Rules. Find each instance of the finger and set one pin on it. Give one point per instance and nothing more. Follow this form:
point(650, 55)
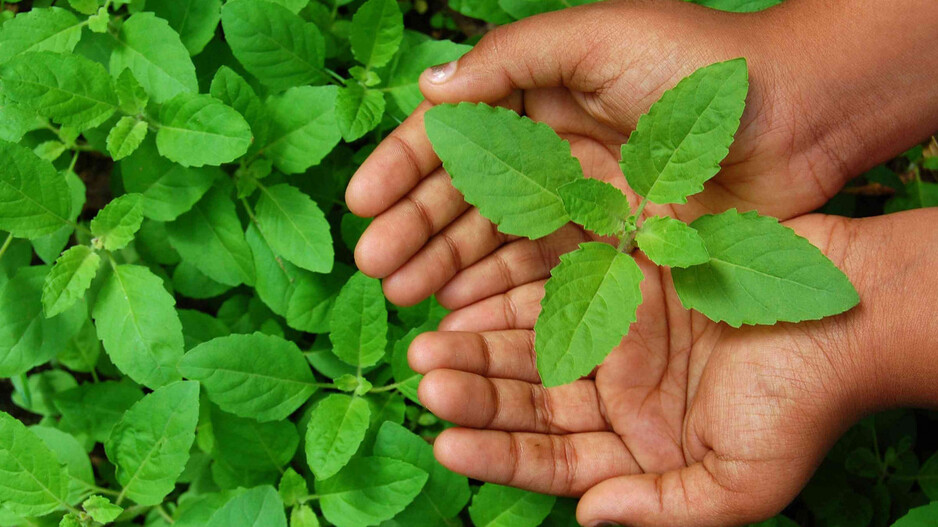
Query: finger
point(462, 243)
point(565, 465)
point(398, 233)
point(694, 496)
point(516, 263)
point(516, 309)
point(471, 400)
point(498, 354)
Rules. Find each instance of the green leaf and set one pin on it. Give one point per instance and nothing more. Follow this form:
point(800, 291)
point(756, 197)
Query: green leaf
point(69, 279)
point(596, 205)
point(928, 477)
point(131, 95)
point(101, 509)
point(407, 379)
point(917, 194)
point(292, 487)
point(34, 198)
point(589, 303)
point(275, 45)
point(150, 445)
point(253, 448)
point(98, 23)
point(72, 454)
point(116, 224)
point(149, 47)
point(446, 492)
point(524, 8)
point(126, 137)
point(738, 6)
point(53, 29)
point(139, 326)
point(211, 238)
point(94, 408)
point(258, 507)
point(231, 89)
point(259, 376)
point(369, 490)
point(295, 228)
point(299, 140)
point(925, 516)
point(275, 278)
point(197, 130)
point(359, 323)
point(498, 506)
point(303, 516)
point(194, 20)
point(85, 7)
point(376, 33)
point(39, 390)
point(69, 89)
point(82, 351)
point(311, 303)
point(403, 81)
point(671, 242)
point(506, 165)
point(50, 150)
point(358, 110)
point(336, 428)
point(679, 143)
point(33, 482)
point(487, 10)
point(761, 272)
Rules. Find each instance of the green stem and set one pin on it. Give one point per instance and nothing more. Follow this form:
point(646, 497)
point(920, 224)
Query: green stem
point(335, 76)
point(308, 497)
point(94, 375)
point(71, 166)
point(165, 515)
point(100, 490)
point(387, 388)
point(6, 245)
point(640, 209)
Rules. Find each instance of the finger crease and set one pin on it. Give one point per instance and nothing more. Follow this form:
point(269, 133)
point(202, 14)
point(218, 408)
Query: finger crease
point(543, 415)
point(410, 156)
point(423, 214)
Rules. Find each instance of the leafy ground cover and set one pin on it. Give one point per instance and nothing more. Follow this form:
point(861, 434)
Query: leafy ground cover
point(184, 339)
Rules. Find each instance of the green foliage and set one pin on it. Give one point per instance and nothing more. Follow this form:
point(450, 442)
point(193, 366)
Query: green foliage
point(34, 200)
point(34, 483)
point(667, 241)
point(498, 506)
point(336, 428)
point(376, 33)
point(369, 490)
point(69, 279)
point(359, 323)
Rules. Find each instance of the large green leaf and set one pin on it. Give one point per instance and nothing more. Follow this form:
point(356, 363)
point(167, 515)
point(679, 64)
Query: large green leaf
point(126, 137)
point(596, 205)
point(359, 323)
point(150, 445)
point(358, 110)
point(152, 50)
point(377, 30)
point(93, 409)
point(231, 89)
point(69, 89)
point(69, 279)
point(679, 143)
point(33, 483)
point(211, 238)
point(260, 376)
point(194, 20)
point(197, 130)
point(258, 451)
point(301, 139)
point(115, 225)
point(72, 454)
point(138, 324)
point(924, 516)
point(258, 507)
point(506, 165)
point(498, 506)
point(34, 198)
point(275, 45)
point(336, 428)
point(761, 272)
point(295, 228)
point(589, 303)
point(671, 242)
point(52, 29)
point(369, 490)
point(311, 303)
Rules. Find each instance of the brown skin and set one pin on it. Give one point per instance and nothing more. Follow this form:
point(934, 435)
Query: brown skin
point(687, 422)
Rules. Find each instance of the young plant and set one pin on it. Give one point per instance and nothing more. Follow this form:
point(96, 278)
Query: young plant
point(737, 268)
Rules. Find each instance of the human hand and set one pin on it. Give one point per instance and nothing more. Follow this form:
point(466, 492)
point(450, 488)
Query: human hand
point(689, 422)
point(590, 72)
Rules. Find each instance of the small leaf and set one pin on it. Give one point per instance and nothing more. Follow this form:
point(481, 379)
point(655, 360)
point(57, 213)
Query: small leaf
point(92, 409)
point(303, 516)
point(257, 507)
point(194, 21)
point(498, 506)
point(292, 487)
point(131, 96)
point(358, 110)
point(50, 150)
point(359, 323)
point(125, 137)
point(336, 428)
point(761, 272)
point(679, 143)
point(34, 199)
point(197, 130)
point(101, 509)
point(671, 242)
point(152, 50)
point(98, 23)
point(295, 228)
point(596, 205)
point(589, 303)
point(85, 7)
point(33, 483)
point(369, 490)
point(231, 89)
point(116, 224)
point(299, 140)
point(508, 166)
point(53, 29)
point(69, 279)
point(377, 30)
point(255, 452)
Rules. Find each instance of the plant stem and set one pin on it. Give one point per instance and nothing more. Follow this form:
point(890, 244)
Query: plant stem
point(165, 515)
point(335, 76)
point(308, 497)
point(387, 388)
point(6, 245)
point(640, 209)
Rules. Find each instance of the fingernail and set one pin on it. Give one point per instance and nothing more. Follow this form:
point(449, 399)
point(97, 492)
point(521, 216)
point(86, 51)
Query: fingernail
point(442, 72)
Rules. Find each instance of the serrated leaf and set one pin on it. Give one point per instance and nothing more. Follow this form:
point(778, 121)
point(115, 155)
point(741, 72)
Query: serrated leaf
point(358, 110)
point(596, 205)
point(295, 228)
point(126, 137)
point(231, 89)
point(72, 454)
point(299, 140)
point(680, 142)
point(152, 50)
point(131, 95)
point(69, 89)
point(69, 279)
point(189, 281)
point(258, 507)
point(275, 45)
point(336, 428)
point(34, 199)
point(33, 483)
point(405, 73)
point(310, 306)
point(257, 450)
point(211, 238)
point(498, 506)
point(275, 278)
point(137, 323)
point(407, 379)
point(197, 130)
point(369, 490)
point(376, 33)
point(194, 20)
point(101, 509)
point(359, 322)
point(761, 272)
point(98, 22)
point(292, 487)
point(259, 376)
point(671, 242)
point(94, 408)
point(303, 516)
point(150, 445)
point(508, 166)
point(589, 303)
point(50, 150)
point(115, 225)
point(36, 394)
point(53, 29)
point(85, 7)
